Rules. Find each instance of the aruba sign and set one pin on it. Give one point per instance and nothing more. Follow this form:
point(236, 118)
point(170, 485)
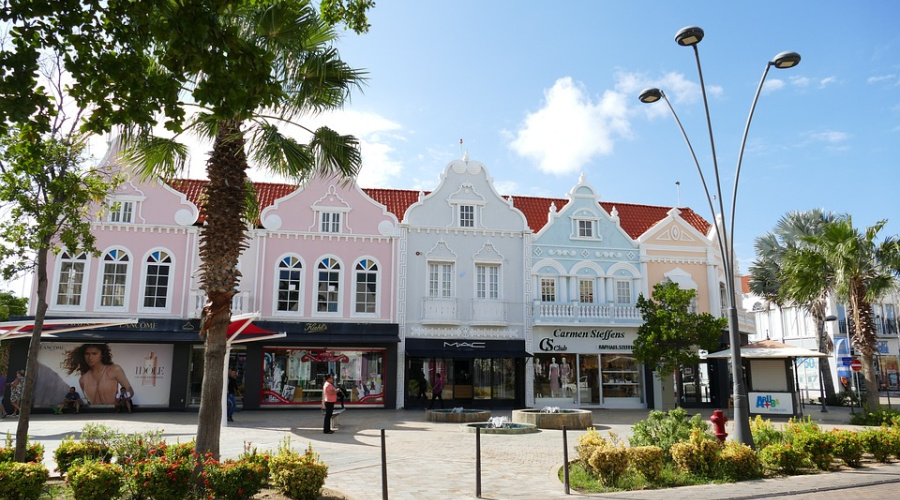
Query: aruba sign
point(771, 403)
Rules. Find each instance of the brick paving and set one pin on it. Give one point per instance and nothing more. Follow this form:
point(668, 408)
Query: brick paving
point(437, 460)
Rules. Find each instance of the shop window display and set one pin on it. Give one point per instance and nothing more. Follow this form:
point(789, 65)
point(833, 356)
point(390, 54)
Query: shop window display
point(294, 376)
point(621, 376)
point(554, 377)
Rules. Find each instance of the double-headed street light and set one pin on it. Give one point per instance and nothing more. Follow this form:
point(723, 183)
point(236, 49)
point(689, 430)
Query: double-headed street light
point(690, 37)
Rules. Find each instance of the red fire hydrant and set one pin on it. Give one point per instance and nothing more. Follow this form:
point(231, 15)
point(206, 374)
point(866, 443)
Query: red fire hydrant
point(718, 419)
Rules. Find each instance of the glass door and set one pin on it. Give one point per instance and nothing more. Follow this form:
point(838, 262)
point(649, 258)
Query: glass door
point(588, 379)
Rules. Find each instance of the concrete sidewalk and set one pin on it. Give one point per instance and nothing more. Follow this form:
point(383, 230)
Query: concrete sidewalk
point(435, 460)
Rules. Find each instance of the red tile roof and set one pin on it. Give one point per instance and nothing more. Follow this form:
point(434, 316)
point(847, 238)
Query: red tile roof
point(635, 219)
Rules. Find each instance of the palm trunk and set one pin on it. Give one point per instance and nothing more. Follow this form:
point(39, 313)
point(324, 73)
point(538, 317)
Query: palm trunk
point(221, 242)
point(824, 365)
point(31, 365)
point(864, 339)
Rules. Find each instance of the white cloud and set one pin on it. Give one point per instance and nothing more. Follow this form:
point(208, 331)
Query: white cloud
point(830, 136)
point(507, 187)
point(827, 81)
point(571, 128)
point(773, 85)
point(800, 81)
point(881, 78)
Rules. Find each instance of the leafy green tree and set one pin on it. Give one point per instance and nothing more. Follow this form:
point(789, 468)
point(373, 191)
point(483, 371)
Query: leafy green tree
point(861, 271)
point(766, 276)
point(351, 13)
point(48, 191)
point(10, 305)
point(228, 70)
point(671, 334)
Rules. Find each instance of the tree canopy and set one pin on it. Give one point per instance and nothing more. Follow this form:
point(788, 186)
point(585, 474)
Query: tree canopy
point(671, 334)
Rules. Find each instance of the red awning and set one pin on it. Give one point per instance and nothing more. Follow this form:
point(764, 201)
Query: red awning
point(243, 330)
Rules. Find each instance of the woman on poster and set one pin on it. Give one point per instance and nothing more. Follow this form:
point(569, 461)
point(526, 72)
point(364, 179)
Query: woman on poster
point(100, 377)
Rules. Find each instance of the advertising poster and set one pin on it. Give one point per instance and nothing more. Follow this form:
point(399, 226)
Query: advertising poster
point(99, 371)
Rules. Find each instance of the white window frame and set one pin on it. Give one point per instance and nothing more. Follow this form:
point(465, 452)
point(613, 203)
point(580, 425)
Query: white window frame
point(589, 282)
point(488, 281)
point(331, 222)
point(123, 258)
point(620, 292)
point(367, 267)
point(145, 276)
point(467, 215)
point(68, 275)
point(290, 263)
point(121, 211)
point(584, 228)
point(548, 289)
point(441, 283)
point(333, 289)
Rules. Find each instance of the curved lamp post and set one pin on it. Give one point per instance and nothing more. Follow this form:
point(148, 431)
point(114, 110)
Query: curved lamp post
point(690, 37)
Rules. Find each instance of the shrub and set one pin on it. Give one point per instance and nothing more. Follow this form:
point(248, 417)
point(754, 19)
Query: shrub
point(298, 476)
point(846, 398)
point(738, 462)
point(697, 455)
point(764, 433)
point(665, 429)
point(881, 416)
point(161, 478)
point(22, 481)
point(783, 457)
point(848, 447)
point(881, 443)
point(587, 443)
point(234, 480)
point(647, 460)
point(70, 451)
point(34, 452)
point(609, 463)
point(253, 456)
point(132, 448)
point(184, 451)
point(817, 446)
point(91, 479)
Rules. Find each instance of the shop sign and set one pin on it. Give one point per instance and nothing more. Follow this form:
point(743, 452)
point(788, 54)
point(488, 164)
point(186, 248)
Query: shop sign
point(585, 341)
point(465, 345)
point(771, 403)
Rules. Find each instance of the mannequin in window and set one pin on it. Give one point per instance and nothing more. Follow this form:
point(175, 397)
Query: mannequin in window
point(554, 378)
point(564, 372)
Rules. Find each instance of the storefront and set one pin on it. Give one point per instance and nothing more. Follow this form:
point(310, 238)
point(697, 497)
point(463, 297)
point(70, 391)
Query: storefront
point(163, 362)
point(475, 373)
point(587, 367)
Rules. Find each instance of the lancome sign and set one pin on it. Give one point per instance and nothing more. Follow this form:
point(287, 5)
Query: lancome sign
point(584, 340)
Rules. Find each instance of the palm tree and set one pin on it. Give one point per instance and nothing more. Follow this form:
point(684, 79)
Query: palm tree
point(766, 276)
point(278, 65)
point(860, 270)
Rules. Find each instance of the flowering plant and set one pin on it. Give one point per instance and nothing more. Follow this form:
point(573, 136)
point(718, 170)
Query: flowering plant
point(234, 479)
point(161, 478)
point(91, 479)
point(22, 481)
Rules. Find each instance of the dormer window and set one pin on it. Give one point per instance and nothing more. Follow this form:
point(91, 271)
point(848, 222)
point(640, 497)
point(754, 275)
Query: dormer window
point(330, 222)
point(585, 229)
point(467, 216)
point(121, 212)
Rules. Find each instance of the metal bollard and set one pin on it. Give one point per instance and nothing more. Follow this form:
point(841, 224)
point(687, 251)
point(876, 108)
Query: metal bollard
point(384, 488)
point(478, 462)
point(566, 460)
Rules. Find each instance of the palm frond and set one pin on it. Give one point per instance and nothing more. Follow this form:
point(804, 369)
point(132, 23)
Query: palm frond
point(153, 156)
point(336, 153)
point(280, 154)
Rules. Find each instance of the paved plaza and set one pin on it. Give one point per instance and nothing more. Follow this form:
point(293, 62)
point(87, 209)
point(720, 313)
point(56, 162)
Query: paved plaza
point(437, 460)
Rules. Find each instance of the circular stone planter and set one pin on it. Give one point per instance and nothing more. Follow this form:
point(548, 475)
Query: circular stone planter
point(457, 417)
point(508, 428)
point(571, 419)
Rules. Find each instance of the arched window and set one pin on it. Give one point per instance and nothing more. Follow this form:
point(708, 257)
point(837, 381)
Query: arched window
point(158, 269)
point(329, 286)
point(115, 278)
point(366, 286)
point(71, 279)
point(290, 271)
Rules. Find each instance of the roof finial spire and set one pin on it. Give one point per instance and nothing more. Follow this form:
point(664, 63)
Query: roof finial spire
point(460, 148)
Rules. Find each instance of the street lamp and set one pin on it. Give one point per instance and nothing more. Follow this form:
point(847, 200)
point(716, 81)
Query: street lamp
point(690, 37)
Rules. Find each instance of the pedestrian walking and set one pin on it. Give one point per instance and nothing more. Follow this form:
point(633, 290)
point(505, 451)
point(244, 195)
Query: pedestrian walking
point(436, 389)
point(329, 397)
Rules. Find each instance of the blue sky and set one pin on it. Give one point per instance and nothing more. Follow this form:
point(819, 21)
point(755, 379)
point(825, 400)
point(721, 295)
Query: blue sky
point(543, 91)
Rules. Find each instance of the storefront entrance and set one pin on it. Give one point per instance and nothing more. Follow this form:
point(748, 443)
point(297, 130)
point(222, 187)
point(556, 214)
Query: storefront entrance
point(612, 380)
